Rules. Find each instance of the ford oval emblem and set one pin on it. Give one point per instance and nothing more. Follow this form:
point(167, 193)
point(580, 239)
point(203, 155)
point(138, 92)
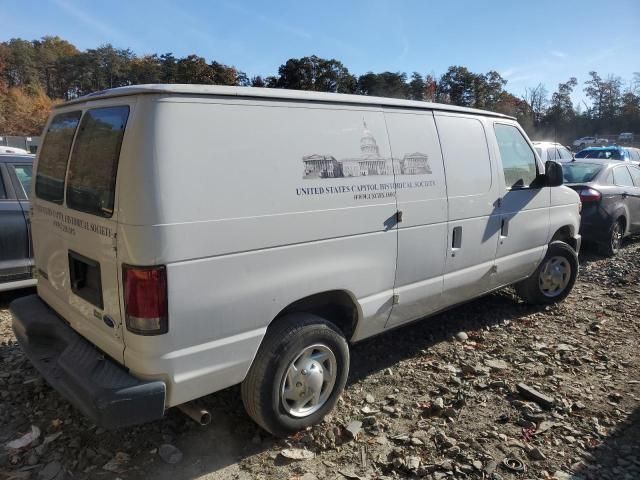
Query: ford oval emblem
point(108, 321)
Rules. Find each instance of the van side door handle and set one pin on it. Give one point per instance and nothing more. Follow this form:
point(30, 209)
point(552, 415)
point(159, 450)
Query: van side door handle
point(504, 228)
point(456, 240)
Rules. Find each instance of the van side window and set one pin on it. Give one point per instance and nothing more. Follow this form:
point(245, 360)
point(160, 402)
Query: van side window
point(518, 161)
point(552, 153)
point(622, 177)
point(54, 154)
point(94, 160)
point(466, 155)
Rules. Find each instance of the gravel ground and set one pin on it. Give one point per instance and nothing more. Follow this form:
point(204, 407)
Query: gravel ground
point(437, 399)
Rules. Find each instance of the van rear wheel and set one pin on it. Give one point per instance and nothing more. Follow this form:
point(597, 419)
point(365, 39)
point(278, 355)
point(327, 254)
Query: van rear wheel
point(553, 279)
point(297, 375)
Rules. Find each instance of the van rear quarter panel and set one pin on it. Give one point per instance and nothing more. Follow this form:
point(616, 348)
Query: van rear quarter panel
point(221, 194)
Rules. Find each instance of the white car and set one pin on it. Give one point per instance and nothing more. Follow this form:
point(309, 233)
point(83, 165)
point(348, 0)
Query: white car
point(188, 238)
point(13, 150)
point(583, 142)
point(552, 151)
point(626, 137)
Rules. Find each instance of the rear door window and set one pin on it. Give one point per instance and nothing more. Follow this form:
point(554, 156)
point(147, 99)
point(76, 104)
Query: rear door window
point(552, 154)
point(622, 177)
point(94, 162)
point(635, 173)
point(23, 174)
point(3, 191)
point(52, 163)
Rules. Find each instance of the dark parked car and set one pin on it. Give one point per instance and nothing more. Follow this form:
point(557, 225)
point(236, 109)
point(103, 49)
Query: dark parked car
point(16, 251)
point(610, 195)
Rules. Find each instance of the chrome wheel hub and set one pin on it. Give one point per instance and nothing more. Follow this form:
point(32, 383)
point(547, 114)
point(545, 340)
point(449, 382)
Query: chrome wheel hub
point(308, 381)
point(616, 237)
point(554, 276)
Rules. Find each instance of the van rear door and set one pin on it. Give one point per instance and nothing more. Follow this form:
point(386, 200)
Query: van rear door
point(75, 220)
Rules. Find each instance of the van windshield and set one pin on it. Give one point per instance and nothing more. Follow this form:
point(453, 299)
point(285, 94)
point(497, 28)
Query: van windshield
point(52, 162)
point(94, 161)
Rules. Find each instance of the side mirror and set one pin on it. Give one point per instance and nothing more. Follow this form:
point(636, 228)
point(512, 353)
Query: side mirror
point(553, 174)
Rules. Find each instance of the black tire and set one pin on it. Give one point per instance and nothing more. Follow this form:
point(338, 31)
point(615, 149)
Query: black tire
point(531, 291)
point(616, 234)
point(285, 340)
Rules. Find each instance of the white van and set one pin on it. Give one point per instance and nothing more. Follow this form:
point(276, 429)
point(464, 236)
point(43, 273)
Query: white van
point(188, 238)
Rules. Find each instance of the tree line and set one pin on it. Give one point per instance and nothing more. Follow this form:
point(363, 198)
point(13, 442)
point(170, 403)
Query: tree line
point(35, 74)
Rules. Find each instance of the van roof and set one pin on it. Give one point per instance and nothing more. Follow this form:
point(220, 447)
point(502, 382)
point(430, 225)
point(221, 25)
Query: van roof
point(275, 93)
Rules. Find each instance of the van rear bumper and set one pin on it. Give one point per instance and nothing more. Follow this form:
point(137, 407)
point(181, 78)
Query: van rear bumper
point(99, 387)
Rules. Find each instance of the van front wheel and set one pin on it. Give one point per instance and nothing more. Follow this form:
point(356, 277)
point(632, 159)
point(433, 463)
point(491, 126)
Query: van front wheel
point(297, 375)
point(553, 279)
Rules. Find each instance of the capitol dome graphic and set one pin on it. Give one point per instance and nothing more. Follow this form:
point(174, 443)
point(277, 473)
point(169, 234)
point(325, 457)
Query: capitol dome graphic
point(369, 162)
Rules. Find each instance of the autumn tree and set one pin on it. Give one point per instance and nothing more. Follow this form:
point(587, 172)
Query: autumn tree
point(315, 74)
point(50, 53)
point(35, 73)
point(416, 87)
point(605, 95)
point(536, 100)
point(385, 84)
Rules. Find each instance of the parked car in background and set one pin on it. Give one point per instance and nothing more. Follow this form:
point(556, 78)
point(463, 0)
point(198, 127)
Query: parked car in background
point(634, 154)
point(626, 137)
point(614, 152)
point(552, 151)
point(610, 195)
point(15, 150)
point(587, 141)
point(16, 262)
point(584, 141)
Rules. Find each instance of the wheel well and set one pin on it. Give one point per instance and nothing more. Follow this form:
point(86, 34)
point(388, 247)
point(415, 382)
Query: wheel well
point(564, 235)
point(337, 306)
point(624, 223)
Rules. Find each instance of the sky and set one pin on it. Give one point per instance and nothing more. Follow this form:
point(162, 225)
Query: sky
point(526, 42)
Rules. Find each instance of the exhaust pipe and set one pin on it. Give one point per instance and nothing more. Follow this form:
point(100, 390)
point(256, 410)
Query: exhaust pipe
point(197, 413)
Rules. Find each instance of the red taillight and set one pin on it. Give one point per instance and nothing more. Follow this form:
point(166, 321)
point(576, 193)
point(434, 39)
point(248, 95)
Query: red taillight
point(145, 299)
point(589, 195)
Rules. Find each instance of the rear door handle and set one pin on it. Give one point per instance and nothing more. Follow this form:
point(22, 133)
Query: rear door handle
point(625, 195)
point(456, 241)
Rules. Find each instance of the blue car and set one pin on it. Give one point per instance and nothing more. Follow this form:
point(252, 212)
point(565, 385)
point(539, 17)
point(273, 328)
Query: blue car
point(611, 152)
